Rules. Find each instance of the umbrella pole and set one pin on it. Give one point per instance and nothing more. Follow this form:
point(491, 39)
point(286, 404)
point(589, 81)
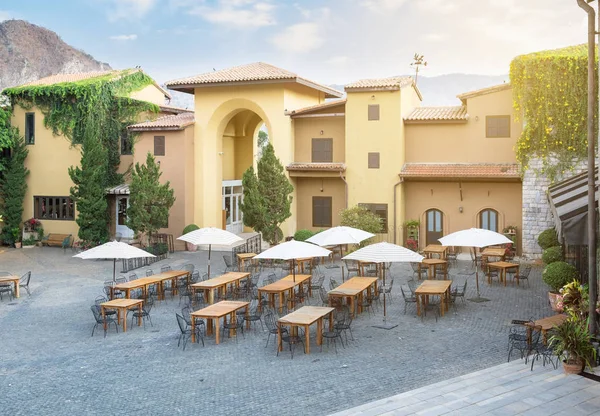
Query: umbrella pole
point(384, 304)
point(114, 270)
point(384, 325)
point(478, 298)
point(209, 249)
point(294, 269)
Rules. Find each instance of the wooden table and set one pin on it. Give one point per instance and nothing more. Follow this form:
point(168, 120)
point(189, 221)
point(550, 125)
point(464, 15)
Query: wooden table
point(494, 252)
point(301, 262)
point(352, 290)
point(242, 259)
point(546, 324)
point(219, 283)
point(363, 264)
point(502, 266)
point(431, 263)
point(121, 306)
point(305, 317)
point(283, 287)
point(14, 280)
point(428, 288)
point(156, 279)
point(213, 313)
point(432, 249)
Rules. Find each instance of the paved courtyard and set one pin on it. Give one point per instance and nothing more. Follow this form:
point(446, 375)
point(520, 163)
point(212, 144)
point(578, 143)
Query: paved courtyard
point(49, 364)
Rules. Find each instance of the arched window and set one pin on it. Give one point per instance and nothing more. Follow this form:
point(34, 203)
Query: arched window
point(434, 226)
point(488, 220)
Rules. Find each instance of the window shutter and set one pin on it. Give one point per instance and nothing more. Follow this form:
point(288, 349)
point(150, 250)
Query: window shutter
point(373, 112)
point(322, 150)
point(374, 160)
point(497, 126)
point(322, 212)
point(159, 145)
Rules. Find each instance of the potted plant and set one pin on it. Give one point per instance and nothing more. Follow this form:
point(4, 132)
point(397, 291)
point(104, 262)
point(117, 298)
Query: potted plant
point(16, 233)
point(188, 229)
point(556, 275)
point(412, 244)
point(29, 242)
point(572, 343)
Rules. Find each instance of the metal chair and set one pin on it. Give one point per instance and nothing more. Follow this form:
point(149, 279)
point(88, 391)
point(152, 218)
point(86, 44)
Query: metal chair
point(199, 323)
point(145, 313)
point(293, 340)
point(271, 324)
point(254, 313)
point(333, 284)
point(412, 298)
point(104, 321)
point(149, 272)
point(457, 293)
point(316, 285)
point(387, 289)
point(7, 288)
point(186, 332)
point(108, 312)
point(165, 268)
point(418, 271)
point(24, 282)
point(351, 267)
point(343, 323)
point(132, 276)
point(523, 274)
point(237, 325)
point(229, 266)
point(433, 303)
point(517, 340)
point(333, 335)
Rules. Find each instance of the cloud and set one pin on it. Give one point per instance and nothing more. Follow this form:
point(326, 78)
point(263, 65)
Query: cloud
point(129, 9)
point(382, 6)
point(124, 37)
point(238, 13)
point(338, 60)
point(438, 6)
point(298, 38)
point(434, 37)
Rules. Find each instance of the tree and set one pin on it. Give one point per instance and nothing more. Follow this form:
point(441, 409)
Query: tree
point(13, 186)
point(263, 138)
point(267, 199)
point(7, 136)
point(149, 201)
point(363, 219)
point(418, 62)
point(89, 190)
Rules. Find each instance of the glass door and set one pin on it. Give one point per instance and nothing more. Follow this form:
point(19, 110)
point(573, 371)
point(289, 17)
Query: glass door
point(434, 226)
point(122, 203)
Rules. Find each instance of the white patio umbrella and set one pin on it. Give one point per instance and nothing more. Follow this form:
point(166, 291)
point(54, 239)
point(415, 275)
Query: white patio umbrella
point(385, 253)
point(338, 236)
point(292, 250)
point(474, 237)
point(209, 236)
point(113, 250)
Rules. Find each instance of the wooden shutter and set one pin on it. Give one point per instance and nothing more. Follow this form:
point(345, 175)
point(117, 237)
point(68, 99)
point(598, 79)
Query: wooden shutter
point(159, 145)
point(322, 150)
point(322, 215)
point(497, 126)
point(373, 112)
point(374, 160)
point(29, 128)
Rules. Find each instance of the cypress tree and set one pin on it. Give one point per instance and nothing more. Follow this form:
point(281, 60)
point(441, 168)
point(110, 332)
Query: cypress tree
point(253, 205)
point(13, 187)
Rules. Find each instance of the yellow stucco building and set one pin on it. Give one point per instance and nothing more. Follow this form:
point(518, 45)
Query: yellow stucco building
point(448, 167)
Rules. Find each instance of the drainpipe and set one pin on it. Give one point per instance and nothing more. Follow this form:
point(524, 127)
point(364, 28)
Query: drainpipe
point(591, 101)
point(395, 188)
point(346, 190)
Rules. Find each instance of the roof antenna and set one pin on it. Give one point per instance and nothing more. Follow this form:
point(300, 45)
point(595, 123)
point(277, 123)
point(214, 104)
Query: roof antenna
point(418, 61)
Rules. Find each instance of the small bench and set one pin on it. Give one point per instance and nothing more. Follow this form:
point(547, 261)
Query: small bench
point(58, 240)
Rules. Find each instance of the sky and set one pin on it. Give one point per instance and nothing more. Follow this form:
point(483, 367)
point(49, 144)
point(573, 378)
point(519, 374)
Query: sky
point(329, 41)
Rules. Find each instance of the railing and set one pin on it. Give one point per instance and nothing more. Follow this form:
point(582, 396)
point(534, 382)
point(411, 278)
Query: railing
point(252, 245)
point(160, 251)
point(164, 239)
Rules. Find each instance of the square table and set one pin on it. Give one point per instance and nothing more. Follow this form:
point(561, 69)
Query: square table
point(305, 317)
point(242, 259)
point(213, 313)
point(494, 252)
point(502, 266)
point(284, 287)
point(432, 249)
point(219, 283)
point(121, 306)
point(546, 324)
point(353, 289)
point(439, 288)
point(431, 263)
point(14, 280)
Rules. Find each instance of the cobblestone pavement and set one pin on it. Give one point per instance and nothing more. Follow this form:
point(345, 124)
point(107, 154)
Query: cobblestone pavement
point(49, 364)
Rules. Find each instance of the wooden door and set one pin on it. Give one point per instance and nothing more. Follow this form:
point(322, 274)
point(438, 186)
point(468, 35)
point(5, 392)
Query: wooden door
point(434, 226)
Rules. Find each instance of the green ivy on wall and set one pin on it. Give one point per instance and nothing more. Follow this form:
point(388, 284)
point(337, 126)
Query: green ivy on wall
point(68, 106)
point(550, 95)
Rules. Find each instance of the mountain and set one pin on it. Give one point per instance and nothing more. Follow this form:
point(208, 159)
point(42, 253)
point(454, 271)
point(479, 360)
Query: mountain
point(29, 52)
point(443, 89)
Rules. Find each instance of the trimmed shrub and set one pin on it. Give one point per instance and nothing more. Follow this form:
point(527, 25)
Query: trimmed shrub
point(190, 228)
point(548, 238)
point(552, 255)
point(303, 235)
point(558, 274)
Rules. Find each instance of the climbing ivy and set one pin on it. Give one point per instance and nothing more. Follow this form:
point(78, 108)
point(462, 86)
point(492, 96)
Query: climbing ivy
point(67, 107)
point(550, 95)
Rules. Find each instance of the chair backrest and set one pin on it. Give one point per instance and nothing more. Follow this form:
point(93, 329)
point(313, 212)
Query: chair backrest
point(524, 273)
point(465, 287)
point(323, 295)
point(269, 319)
point(5, 274)
point(99, 300)
point(121, 279)
point(404, 294)
point(149, 272)
point(97, 314)
point(227, 260)
point(132, 276)
point(415, 267)
point(24, 280)
point(181, 323)
point(204, 276)
point(195, 276)
point(166, 268)
point(186, 313)
point(188, 267)
point(148, 305)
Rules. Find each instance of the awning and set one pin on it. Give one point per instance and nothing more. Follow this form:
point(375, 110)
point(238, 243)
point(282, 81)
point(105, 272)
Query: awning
point(568, 202)
point(122, 189)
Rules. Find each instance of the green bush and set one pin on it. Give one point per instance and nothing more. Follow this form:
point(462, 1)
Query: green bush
point(303, 235)
point(190, 228)
point(558, 274)
point(548, 238)
point(552, 255)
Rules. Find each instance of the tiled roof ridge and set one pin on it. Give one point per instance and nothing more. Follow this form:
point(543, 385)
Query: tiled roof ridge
point(172, 122)
point(316, 166)
point(316, 107)
point(483, 91)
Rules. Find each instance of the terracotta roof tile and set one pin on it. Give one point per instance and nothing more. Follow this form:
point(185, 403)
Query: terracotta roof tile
point(380, 83)
point(173, 109)
point(460, 170)
point(258, 71)
point(495, 88)
point(174, 122)
point(312, 167)
point(317, 107)
point(446, 113)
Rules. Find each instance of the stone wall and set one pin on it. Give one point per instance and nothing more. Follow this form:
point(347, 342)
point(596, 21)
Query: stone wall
point(537, 216)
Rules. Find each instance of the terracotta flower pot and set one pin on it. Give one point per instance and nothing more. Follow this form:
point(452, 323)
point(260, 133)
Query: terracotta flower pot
point(191, 247)
point(18, 244)
point(572, 368)
point(554, 299)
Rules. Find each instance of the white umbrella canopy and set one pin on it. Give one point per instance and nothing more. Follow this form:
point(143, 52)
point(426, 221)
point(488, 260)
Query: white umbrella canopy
point(339, 235)
point(113, 250)
point(475, 237)
point(291, 250)
point(209, 236)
